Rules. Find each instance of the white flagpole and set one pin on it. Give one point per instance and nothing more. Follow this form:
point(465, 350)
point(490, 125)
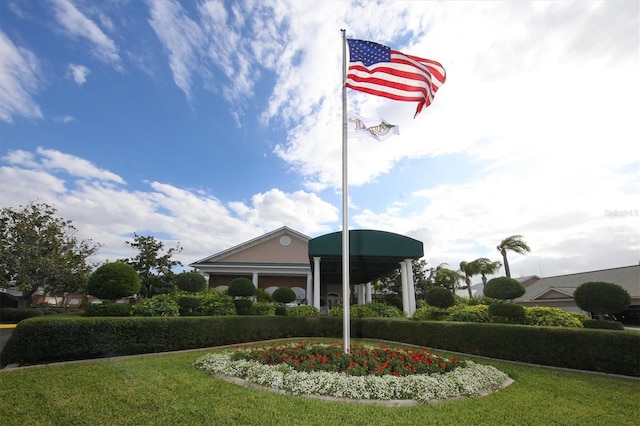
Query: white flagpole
point(346, 293)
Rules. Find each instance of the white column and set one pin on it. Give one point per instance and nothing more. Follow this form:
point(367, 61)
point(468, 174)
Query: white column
point(360, 289)
point(411, 286)
point(367, 296)
point(316, 282)
point(405, 289)
point(309, 295)
point(254, 279)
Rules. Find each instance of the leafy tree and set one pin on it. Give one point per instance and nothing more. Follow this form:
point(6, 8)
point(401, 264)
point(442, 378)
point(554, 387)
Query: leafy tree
point(151, 264)
point(515, 244)
point(39, 249)
point(440, 297)
point(601, 298)
point(113, 281)
point(284, 295)
point(391, 284)
point(192, 282)
point(241, 287)
point(444, 277)
point(504, 288)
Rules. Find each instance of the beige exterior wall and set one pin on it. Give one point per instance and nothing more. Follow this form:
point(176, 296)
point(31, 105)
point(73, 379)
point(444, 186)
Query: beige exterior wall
point(272, 251)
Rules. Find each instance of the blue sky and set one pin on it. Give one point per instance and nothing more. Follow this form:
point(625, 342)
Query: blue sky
point(211, 123)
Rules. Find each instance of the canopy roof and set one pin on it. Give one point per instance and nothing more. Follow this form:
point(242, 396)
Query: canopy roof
point(372, 254)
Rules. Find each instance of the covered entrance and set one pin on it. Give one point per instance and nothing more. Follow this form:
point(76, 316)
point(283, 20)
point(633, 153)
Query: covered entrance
point(372, 254)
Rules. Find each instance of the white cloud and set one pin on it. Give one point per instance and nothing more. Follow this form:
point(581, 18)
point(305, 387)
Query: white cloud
point(53, 160)
point(76, 24)
point(79, 73)
point(19, 81)
point(64, 119)
point(181, 37)
point(110, 214)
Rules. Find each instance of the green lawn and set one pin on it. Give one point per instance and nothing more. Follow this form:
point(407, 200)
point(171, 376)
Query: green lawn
point(167, 390)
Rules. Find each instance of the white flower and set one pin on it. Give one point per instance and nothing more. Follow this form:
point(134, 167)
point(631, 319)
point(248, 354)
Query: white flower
point(470, 380)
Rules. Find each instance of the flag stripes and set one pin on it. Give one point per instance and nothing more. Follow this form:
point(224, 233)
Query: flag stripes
point(382, 71)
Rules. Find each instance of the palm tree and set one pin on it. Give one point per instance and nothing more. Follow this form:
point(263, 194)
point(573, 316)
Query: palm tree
point(515, 244)
point(468, 270)
point(485, 267)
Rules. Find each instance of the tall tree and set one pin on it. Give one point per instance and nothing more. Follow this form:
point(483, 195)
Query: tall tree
point(486, 267)
point(40, 250)
point(515, 244)
point(468, 270)
point(153, 267)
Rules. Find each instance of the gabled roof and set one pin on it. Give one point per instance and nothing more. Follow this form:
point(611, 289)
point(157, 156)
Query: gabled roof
point(220, 256)
point(628, 277)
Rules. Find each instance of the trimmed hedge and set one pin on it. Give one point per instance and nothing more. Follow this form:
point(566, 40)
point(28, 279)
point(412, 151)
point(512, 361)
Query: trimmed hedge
point(577, 348)
point(44, 340)
point(51, 339)
point(602, 325)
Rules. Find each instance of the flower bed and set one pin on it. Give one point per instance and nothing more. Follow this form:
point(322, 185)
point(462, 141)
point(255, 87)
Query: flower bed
point(378, 373)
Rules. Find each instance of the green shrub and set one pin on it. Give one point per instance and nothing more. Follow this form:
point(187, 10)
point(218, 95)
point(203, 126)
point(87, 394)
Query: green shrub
point(601, 298)
point(551, 317)
point(243, 306)
point(284, 295)
point(503, 288)
point(113, 281)
point(161, 305)
point(15, 315)
point(189, 305)
point(108, 309)
point(368, 310)
point(263, 308)
point(430, 313)
point(440, 297)
point(507, 313)
point(263, 296)
point(603, 325)
point(191, 282)
point(216, 303)
point(303, 311)
point(469, 313)
point(58, 338)
point(241, 287)
point(281, 310)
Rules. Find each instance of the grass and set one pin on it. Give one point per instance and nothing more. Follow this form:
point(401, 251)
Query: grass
point(167, 389)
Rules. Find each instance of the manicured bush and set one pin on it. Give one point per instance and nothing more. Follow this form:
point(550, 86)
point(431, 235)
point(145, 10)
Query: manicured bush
point(263, 308)
point(15, 315)
point(440, 297)
point(191, 282)
point(263, 296)
point(161, 305)
point(430, 313)
point(108, 309)
point(241, 287)
point(281, 310)
point(189, 305)
point(243, 306)
point(507, 313)
point(503, 288)
point(216, 303)
point(113, 281)
point(58, 338)
point(284, 295)
point(469, 313)
point(601, 298)
point(603, 325)
point(368, 310)
point(551, 317)
point(302, 311)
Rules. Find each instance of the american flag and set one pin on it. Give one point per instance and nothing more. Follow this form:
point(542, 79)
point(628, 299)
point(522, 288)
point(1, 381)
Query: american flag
point(382, 71)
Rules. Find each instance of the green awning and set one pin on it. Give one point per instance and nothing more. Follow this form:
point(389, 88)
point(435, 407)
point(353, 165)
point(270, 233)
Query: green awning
point(372, 254)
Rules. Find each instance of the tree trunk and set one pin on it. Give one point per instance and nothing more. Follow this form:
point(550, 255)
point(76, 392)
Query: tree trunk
point(507, 271)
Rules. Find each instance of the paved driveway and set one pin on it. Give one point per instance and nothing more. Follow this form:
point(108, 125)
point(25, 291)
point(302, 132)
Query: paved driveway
point(4, 335)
